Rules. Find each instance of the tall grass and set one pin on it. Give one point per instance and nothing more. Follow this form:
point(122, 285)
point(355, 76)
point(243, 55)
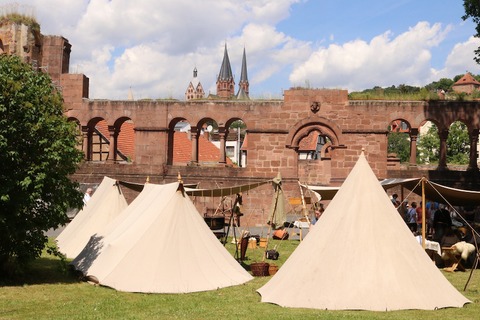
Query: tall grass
point(422, 95)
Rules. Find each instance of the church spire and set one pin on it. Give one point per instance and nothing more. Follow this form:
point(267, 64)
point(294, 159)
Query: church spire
point(243, 84)
point(225, 82)
point(195, 88)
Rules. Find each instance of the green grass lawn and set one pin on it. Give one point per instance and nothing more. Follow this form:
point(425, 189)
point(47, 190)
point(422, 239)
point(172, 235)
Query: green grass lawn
point(48, 292)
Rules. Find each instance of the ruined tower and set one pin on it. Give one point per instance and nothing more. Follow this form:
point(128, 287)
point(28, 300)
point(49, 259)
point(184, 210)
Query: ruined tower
point(20, 36)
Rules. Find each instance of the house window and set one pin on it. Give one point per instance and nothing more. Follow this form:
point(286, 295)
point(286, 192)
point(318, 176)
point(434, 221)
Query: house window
point(230, 150)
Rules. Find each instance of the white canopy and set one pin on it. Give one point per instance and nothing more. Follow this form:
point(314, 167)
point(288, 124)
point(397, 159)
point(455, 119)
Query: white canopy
point(160, 244)
point(106, 203)
point(360, 255)
point(433, 191)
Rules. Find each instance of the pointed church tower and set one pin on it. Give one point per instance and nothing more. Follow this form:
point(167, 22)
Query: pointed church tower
point(225, 82)
point(243, 85)
point(195, 88)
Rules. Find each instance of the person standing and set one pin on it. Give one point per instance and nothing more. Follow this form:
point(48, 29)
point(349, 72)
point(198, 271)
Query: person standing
point(87, 196)
point(442, 223)
point(411, 217)
point(419, 211)
point(318, 214)
point(395, 200)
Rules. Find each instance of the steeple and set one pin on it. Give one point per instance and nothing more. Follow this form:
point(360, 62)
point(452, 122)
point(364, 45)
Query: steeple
point(243, 84)
point(195, 88)
point(225, 82)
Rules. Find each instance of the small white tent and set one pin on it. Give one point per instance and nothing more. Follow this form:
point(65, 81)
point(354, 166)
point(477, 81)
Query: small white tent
point(106, 203)
point(360, 256)
point(160, 244)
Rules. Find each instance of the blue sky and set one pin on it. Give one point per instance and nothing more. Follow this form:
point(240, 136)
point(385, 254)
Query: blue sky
point(348, 20)
point(152, 46)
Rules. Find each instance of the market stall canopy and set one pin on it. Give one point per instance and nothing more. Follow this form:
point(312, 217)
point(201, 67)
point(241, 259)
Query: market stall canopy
point(433, 191)
point(226, 191)
point(193, 190)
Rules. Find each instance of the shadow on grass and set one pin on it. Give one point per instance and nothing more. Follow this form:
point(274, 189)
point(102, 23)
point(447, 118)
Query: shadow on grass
point(43, 270)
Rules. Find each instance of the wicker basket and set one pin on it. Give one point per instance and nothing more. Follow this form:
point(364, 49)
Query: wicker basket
point(260, 269)
point(272, 269)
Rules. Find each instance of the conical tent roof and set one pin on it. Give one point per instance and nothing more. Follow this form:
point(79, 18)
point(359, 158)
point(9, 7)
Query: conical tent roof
point(360, 256)
point(106, 203)
point(160, 244)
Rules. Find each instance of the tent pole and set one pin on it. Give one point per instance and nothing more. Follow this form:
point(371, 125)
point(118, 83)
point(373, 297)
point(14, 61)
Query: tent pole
point(277, 191)
point(304, 207)
point(477, 256)
point(423, 214)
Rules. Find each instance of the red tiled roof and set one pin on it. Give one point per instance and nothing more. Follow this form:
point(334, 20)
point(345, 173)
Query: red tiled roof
point(467, 79)
point(126, 140)
point(182, 151)
point(126, 137)
point(245, 143)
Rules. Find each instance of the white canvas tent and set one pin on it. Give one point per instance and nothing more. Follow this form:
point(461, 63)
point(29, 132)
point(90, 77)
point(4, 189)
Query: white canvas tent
point(360, 256)
point(160, 244)
point(106, 203)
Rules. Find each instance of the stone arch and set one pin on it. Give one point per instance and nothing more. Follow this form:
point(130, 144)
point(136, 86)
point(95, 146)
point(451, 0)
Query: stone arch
point(456, 148)
point(399, 125)
point(171, 138)
point(122, 140)
point(95, 142)
point(79, 134)
point(205, 142)
point(304, 127)
point(399, 131)
point(234, 141)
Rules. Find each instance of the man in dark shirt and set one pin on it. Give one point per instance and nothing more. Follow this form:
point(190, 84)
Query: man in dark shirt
point(442, 222)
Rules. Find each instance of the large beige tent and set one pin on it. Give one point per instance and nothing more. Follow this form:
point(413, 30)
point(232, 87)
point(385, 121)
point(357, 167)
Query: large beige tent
point(360, 255)
point(106, 203)
point(160, 244)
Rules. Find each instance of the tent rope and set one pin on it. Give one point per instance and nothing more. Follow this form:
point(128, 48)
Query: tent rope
point(458, 214)
point(474, 233)
point(408, 195)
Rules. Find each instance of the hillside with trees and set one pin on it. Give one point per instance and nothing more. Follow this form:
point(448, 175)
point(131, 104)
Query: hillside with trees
point(430, 91)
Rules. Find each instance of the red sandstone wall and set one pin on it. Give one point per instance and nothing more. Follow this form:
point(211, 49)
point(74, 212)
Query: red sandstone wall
point(54, 61)
point(273, 127)
point(74, 88)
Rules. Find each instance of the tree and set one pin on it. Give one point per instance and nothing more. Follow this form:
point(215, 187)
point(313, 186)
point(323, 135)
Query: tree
point(429, 146)
point(399, 143)
point(458, 145)
point(444, 84)
point(472, 10)
point(38, 152)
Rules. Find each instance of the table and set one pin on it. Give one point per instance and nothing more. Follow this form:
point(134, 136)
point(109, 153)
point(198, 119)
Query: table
point(431, 245)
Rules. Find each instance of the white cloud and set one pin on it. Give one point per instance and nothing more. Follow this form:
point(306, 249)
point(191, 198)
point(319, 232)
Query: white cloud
point(384, 61)
point(459, 60)
point(153, 46)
